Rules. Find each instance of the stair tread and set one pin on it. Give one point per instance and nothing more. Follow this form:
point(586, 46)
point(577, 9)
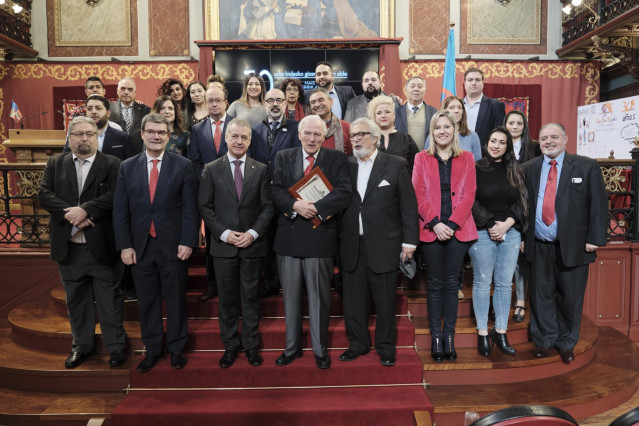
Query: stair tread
point(464, 325)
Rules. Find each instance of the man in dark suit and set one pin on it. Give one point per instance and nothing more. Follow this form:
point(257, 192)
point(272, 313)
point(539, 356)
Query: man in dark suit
point(274, 134)
point(156, 226)
point(235, 203)
point(483, 113)
point(379, 226)
point(128, 113)
point(568, 219)
point(413, 118)
point(110, 140)
point(77, 189)
point(305, 252)
point(339, 94)
point(207, 144)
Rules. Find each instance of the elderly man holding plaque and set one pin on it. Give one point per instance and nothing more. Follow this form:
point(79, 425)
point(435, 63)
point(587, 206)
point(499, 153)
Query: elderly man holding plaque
point(311, 186)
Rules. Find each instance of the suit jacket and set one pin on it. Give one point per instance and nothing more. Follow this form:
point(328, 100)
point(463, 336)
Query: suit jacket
point(221, 210)
point(202, 148)
point(389, 215)
point(358, 107)
point(462, 187)
point(139, 111)
point(401, 120)
point(491, 114)
point(116, 143)
point(295, 235)
point(173, 211)
point(344, 93)
point(59, 190)
point(581, 206)
point(285, 137)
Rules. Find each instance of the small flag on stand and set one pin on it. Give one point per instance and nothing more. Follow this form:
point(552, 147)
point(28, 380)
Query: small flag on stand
point(448, 84)
point(15, 112)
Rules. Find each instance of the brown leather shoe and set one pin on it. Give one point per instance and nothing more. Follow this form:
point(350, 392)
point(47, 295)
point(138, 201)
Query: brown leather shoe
point(567, 355)
point(541, 351)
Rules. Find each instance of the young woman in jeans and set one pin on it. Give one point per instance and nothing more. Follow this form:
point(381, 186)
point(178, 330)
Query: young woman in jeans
point(499, 214)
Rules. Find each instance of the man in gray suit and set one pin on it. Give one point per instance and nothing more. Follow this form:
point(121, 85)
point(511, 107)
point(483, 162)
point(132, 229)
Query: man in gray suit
point(235, 203)
point(357, 107)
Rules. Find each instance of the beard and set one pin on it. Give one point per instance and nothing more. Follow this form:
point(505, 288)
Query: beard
point(372, 92)
point(102, 122)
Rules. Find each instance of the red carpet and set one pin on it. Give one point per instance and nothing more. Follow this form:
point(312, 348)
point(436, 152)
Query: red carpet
point(361, 392)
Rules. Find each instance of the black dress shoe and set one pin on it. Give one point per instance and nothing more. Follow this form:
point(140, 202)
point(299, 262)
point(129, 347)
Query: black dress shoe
point(449, 348)
point(349, 355)
point(209, 293)
point(269, 291)
point(322, 362)
point(501, 341)
point(75, 359)
point(117, 358)
point(284, 359)
point(254, 357)
point(228, 359)
point(519, 314)
point(437, 349)
point(148, 362)
point(483, 345)
point(540, 351)
point(567, 356)
point(177, 360)
point(387, 361)
point(130, 296)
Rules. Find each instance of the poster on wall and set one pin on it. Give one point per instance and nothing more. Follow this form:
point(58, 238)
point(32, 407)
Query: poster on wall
point(607, 127)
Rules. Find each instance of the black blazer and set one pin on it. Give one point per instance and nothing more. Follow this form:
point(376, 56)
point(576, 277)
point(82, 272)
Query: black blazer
point(116, 143)
point(389, 215)
point(201, 146)
point(285, 137)
point(581, 206)
point(401, 119)
point(173, 211)
point(139, 111)
point(491, 115)
point(221, 210)
point(59, 190)
point(295, 235)
point(344, 93)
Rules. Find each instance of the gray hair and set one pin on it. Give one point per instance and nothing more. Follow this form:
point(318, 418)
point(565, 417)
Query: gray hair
point(238, 122)
point(559, 126)
point(78, 120)
point(309, 118)
point(131, 79)
point(373, 128)
point(415, 77)
point(154, 118)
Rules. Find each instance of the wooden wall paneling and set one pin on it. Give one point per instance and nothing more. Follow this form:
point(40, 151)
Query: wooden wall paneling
point(168, 28)
point(634, 294)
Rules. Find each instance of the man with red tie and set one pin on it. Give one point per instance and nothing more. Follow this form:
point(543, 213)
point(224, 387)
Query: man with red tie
point(156, 222)
point(568, 218)
point(207, 144)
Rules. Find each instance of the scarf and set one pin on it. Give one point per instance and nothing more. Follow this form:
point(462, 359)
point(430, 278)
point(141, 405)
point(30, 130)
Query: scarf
point(335, 130)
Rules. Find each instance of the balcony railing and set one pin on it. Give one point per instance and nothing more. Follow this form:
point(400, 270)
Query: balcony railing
point(581, 23)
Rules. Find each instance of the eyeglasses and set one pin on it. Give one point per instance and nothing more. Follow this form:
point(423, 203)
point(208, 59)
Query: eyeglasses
point(83, 134)
point(215, 101)
point(160, 133)
point(358, 135)
point(274, 101)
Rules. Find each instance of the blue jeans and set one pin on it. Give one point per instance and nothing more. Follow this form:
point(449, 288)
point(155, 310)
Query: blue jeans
point(499, 258)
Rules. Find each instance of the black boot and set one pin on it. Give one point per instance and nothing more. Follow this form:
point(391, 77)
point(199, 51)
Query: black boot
point(449, 348)
point(483, 345)
point(436, 350)
point(502, 342)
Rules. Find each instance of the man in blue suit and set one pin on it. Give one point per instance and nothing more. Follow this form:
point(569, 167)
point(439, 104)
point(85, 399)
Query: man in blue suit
point(156, 224)
point(413, 118)
point(208, 144)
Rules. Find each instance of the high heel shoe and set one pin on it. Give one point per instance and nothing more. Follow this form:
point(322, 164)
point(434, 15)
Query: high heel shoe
point(449, 348)
point(436, 351)
point(502, 342)
point(483, 345)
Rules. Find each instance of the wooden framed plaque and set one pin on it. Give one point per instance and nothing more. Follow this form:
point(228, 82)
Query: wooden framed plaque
point(312, 187)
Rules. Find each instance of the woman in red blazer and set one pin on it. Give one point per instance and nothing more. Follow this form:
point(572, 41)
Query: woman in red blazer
point(444, 181)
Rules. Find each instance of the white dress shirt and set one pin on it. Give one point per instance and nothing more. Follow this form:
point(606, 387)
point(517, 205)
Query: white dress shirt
point(225, 235)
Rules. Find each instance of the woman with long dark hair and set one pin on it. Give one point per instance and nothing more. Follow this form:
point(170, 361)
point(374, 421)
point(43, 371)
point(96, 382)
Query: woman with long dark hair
point(179, 138)
point(500, 216)
point(294, 92)
point(250, 106)
point(196, 110)
point(175, 89)
point(444, 182)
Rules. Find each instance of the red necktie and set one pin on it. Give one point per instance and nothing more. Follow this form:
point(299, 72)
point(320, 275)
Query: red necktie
point(548, 208)
point(153, 183)
point(217, 137)
point(308, 168)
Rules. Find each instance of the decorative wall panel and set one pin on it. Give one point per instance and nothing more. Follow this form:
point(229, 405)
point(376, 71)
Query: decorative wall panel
point(428, 27)
point(168, 28)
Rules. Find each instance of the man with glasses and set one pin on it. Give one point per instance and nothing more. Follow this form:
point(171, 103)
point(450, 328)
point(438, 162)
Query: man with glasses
point(208, 144)
point(379, 226)
point(272, 135)
point(156, 227)
point(77, 189)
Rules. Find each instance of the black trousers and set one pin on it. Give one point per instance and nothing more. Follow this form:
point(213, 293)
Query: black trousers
point(157, 277)
point(210, 268)
point(238, 280)
point(556, 298)
point(444, 261)
point(359, 285)
point(271, 274)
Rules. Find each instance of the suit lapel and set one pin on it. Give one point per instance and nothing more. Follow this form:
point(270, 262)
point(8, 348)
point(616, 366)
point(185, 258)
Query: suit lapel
point(166, 170)
point(536, 175)
point(249, 177)
point(353, 169)
point(297, 165)
point(69, 170)
point(227, 176)
point(96, 168)
point(483, 111)
point(379, 167)
point(566, 175)
point(143, 177)
point(281, 134)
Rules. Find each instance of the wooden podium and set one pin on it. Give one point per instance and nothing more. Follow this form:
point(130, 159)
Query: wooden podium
point(32, 149)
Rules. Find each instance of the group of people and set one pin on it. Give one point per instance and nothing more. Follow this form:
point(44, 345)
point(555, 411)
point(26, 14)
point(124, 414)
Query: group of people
point(407, 181)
